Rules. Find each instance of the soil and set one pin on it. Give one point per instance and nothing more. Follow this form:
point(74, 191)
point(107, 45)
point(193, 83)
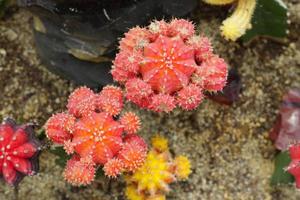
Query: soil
point(231, 154)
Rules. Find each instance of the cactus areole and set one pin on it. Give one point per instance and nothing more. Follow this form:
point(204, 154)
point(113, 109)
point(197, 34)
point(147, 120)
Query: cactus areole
point(19, 151)
point(166, 65)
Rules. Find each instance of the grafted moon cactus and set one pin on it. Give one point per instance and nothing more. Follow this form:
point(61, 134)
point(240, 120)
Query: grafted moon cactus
point(151, 181)
point(89, 132)
point(19, 150)
point(166, 65)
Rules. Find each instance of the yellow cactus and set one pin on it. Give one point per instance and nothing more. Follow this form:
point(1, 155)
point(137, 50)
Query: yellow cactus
point(132, 193)
point(151, 181)
point(154, 174)
point(183, 167)
point(160, 143)
point(240, 21)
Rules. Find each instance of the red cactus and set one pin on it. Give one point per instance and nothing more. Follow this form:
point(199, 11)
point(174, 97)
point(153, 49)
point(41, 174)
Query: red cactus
point(60, 127)
point(110, 100)
point(121, 75)
point(294, 166)
point(129, 62)
point(19, 151)
point(135, 39)
point(202, 46)
point(183, 28)
point(79, 172)
point(111, 92)
point(135, 139)
point(189, 97)
point(137, 89)
point(212, 74)
point(94, 136)
point(157, 28)
point(81, 102)
point(131, 122)
point(113, 167)
point(170, 58)
point(162, 103)
point(133, 153)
